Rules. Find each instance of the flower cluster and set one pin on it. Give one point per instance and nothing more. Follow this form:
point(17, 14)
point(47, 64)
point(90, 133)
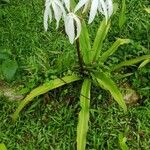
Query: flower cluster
point(62, 9)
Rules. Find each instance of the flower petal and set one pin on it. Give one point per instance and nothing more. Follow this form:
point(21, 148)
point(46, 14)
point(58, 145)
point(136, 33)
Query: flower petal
point(100, 9)
point(69, 27)
point(93, 10)
point(109, 4)
point(67, 4)
point(78, 26)
point(60, 4)
point(104, 9)
point(86, 7)
point(47, 14)
point(57, 13)
point(80, 4)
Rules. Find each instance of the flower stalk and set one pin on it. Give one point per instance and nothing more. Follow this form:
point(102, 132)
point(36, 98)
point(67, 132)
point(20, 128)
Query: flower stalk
point(80, 60)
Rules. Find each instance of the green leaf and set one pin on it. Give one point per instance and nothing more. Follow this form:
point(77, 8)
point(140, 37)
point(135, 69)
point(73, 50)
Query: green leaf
point(53, 84)
point(2, 146)
point(113, 48)
point(85, 46)
point(147, 10)
point(100, 37)
point(122, 142)
point(9, 68)
point(130, 62)
point(122, 16)
point(82, 127)
point(105, 82)
point(144, 63)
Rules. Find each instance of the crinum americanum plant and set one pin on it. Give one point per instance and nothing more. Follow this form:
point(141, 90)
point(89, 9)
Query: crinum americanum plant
point(93, 69)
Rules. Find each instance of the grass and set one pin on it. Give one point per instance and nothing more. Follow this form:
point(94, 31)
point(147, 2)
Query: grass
point(50, 123)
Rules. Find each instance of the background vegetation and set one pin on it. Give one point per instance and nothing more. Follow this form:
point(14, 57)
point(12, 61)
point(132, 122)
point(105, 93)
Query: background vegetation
point(50, 121)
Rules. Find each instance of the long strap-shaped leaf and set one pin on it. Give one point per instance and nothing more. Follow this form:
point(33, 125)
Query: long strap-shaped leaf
point(122, 16)
point(113, 48)
point(82, 127)
point(144, 63)
point(100, 36)
point(2, 146)
point(107, 83)
point(53, 84)
point(130, 62)
point(85, 46)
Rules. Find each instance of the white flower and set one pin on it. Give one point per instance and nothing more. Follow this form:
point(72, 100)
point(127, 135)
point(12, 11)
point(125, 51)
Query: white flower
point(103, 6)
point(67, 4)
point(109, 5)
point(109, 8)
point(58, 10)
point(72, 27)
point(81, 3)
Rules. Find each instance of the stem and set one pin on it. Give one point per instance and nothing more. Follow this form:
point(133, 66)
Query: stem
point(79, 57)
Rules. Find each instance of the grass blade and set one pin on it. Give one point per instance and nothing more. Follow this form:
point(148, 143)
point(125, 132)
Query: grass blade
point(121, 76)
point(147, 10)
point(82, 127)
point(100, 37)
point(122, 17)
point(144, 63)
point(122, 142)
point(53, 84)
point(85, 46)
point(4, 1)
point(105, 82)
point(130, 62)
point(113, 48)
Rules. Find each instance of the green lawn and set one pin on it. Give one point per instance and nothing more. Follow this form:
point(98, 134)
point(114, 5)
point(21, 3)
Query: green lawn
point(49, 122)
